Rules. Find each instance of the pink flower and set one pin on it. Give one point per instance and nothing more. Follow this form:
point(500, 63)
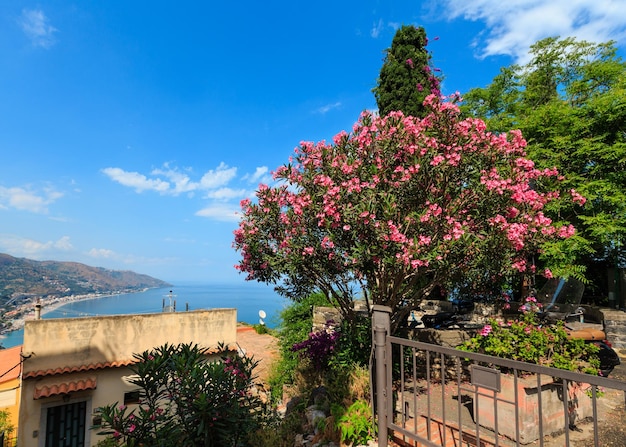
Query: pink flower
point(132, 428)
point(486, 330)
point(577, 198)
point(409, 62)
point(548, 273)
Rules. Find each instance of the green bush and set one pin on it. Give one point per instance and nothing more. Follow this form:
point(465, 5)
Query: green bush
point(356, 424)
point(528, 341)
point(186, 400)
point(261, 329)
point(296, 322)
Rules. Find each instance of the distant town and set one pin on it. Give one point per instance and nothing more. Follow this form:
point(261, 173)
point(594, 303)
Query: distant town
point(15, 312)
point(25, 282)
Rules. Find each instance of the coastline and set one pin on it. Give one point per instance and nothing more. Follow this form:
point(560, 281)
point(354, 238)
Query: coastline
point(47, 306)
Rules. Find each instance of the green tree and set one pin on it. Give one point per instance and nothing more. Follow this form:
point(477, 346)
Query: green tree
point(394, 210)
point(185, 400)
point(569, 102)
point(5, 422)
point(406, 77)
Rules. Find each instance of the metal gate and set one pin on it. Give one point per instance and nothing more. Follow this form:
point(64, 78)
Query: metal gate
point(434, 396)
point(65, 425)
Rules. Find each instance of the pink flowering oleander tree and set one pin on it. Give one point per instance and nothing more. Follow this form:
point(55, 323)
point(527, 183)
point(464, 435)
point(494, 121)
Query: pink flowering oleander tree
point(398, 207)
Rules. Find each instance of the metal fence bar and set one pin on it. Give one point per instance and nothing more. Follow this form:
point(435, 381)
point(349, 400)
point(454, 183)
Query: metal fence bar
point(566, 410)
point(596, 435)
point(385, 346)
point(540, 409)
point(457, 363)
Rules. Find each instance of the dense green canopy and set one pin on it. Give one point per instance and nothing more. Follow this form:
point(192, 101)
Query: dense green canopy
point(569, 102)
point(406, 77)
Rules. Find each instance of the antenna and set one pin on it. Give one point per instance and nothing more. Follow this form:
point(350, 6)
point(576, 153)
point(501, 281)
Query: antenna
point(262, 315)
point(171, 307)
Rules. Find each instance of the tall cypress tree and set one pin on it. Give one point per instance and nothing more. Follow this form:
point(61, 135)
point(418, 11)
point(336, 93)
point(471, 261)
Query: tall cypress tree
point(406, 77)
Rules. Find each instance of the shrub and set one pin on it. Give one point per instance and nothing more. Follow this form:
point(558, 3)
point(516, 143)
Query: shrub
point(355, 343)
point(319, 347)
point(528, 341)
point(356, 424)
point(296, 321)
point(186, 400)
point(261, 329)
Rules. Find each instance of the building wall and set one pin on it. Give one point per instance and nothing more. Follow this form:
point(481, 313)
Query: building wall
point(76, 343)
point(10, 370)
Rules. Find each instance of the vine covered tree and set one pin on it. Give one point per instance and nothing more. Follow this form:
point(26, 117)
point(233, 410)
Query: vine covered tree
point(569, 101)
point(406, 77)
point(399, 207)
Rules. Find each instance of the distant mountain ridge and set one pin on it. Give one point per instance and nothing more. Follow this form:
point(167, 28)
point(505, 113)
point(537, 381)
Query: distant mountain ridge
point(22, 278)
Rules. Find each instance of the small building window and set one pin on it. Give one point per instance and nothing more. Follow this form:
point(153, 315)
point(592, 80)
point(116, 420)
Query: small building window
point(131, 397)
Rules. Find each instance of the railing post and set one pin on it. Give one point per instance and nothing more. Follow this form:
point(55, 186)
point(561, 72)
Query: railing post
point(381, 327)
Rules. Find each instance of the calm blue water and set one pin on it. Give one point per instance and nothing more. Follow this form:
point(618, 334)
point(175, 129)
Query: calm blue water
point(247, 298)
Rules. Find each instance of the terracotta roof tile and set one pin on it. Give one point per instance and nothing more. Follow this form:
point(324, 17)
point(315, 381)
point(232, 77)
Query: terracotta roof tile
point(95, 366)
point(74, 369)
point(10, 363)
point(64, 387)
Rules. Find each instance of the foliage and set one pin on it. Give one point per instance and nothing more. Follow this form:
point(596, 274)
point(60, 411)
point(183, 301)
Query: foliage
point(296, 323)
point(406, 77)
point(5, 422)
point(108, 442)
point(569, 101)
point(354, 345)
point(279, 434)
point(319, 346)
point(356, 424)
point(396, 208)
point(261, 329)
point(526, 340)
point(185, 400)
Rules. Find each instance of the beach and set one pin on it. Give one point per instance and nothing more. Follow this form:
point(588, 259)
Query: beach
point(248, 298)
point(27, 311)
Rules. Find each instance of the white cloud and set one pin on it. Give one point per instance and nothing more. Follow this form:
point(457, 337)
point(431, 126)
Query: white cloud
point(136, 180)
point(182, 182)
point(25, 199)
point(35, 25)
point(223, 200)
point(377, 29)
point(514, 25)
point(220, 177)
point(171, 181)
point(30, 248)
point(101, 253)
point(328, 107)
point(222, 212)
point(261, 174)
point(227, 194)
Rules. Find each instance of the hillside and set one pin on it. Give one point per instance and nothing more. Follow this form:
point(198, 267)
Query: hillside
point(22, 278)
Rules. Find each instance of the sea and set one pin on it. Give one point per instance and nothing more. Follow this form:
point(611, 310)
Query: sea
point(255, 303)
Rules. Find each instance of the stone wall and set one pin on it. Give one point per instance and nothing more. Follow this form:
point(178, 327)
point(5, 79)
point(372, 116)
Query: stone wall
point(615, 327)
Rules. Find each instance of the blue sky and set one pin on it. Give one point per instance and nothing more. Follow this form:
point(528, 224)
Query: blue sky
point(131, 130)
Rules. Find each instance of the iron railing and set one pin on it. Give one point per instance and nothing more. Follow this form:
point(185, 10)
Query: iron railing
point(437, 396)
